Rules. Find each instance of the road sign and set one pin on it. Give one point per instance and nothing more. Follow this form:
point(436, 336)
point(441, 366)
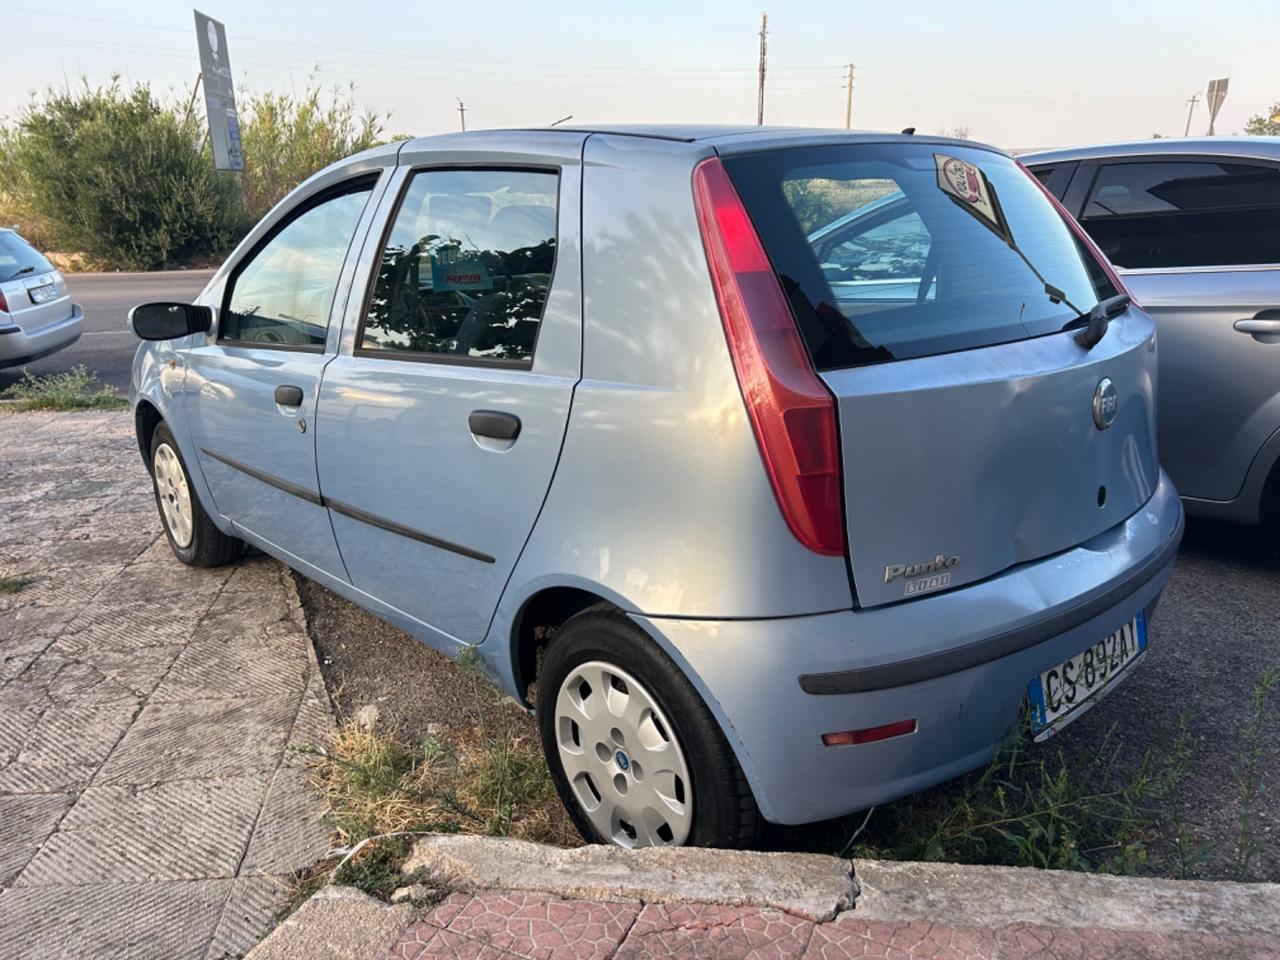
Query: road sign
point(1216, 93)
point(219, 93)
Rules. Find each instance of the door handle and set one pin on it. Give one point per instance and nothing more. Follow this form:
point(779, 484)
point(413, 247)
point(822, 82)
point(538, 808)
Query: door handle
point(494, 424)
point(288, 395)
point(1263, 327)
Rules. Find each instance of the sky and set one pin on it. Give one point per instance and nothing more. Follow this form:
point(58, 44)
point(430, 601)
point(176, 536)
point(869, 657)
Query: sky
point(1019, 75)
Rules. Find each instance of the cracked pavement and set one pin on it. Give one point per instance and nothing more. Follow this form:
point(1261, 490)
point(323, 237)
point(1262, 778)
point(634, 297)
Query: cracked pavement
point(152, 793)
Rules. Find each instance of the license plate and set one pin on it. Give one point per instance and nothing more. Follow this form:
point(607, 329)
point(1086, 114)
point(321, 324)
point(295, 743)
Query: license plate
point(43, 294)
point(1063, 692)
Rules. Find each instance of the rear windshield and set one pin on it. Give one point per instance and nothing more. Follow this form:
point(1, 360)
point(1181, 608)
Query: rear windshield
point(899, 250)
point(19, 259)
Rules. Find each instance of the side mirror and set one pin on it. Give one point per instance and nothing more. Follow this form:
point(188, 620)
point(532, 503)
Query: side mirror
point(169, 321)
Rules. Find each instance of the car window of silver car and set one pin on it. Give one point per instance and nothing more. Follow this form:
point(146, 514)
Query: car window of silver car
point(465, 269)
point(1185, 213)
point(280, 295)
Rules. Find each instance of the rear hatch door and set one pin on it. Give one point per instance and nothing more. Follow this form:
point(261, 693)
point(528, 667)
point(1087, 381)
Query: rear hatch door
point(969, 437)
point(34, 291)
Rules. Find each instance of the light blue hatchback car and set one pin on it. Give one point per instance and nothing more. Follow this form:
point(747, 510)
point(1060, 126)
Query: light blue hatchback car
point(770, 512)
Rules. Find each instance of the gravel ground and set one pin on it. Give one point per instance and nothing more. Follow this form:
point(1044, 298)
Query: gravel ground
point(1217, 630)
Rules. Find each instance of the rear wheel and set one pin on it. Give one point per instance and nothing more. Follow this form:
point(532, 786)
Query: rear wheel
point(637, 757)
point(192, 535)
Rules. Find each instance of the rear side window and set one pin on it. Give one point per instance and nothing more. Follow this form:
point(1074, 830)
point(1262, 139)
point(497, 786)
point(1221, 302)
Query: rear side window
point(19, 259)
point(466, 268)
point(899, 250)
point(1185, 213)
point(282, 294)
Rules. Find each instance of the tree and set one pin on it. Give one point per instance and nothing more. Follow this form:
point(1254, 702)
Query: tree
point(287, 138)
point(116, 175)
point(1265, 124)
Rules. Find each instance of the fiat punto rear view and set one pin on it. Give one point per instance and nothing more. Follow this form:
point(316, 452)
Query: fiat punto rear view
point(780, 473)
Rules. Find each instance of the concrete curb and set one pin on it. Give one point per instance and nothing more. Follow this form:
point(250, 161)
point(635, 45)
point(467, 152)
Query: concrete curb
point(338, 923)
point(807, 885)
point(988, 897)
point(1114, 915)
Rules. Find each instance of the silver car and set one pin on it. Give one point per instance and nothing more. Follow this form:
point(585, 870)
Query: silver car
point(1193, 226)
point(765, 521)
point(37, 316)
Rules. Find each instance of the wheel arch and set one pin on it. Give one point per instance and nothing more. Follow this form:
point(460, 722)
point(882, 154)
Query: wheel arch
point(146, 417)
point(535, 623)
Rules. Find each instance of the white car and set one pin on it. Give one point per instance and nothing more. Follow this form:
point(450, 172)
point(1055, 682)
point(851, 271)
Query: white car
point(37, 316)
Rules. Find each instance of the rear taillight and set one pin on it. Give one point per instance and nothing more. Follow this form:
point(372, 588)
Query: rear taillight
point(792, 413)
point(1083, 237)
point(4, 304)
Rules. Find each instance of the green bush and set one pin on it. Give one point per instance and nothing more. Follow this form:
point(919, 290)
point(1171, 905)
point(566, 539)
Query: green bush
point(118, 176)
point(286, 139)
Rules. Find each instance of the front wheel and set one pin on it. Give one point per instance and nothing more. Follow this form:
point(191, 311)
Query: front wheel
point(636, 756)
point(192, 534)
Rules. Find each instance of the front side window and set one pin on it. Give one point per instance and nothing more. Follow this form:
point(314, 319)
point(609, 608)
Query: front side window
point(466, 268)
point(282, 295)
point(898, 250)
point(1185, 213)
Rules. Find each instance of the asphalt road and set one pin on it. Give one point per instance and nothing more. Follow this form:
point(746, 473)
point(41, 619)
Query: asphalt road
point(107, 346)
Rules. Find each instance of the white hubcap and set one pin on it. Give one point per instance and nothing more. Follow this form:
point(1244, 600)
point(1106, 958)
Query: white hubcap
point(175, 498)
point(621, 758)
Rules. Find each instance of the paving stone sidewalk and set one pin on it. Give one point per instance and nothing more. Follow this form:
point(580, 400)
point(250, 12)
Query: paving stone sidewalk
point(343, 924)
point(152, 796)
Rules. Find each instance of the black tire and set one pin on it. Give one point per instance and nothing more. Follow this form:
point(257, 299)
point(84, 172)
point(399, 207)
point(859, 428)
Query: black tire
point(209, 546)
point(724, 810)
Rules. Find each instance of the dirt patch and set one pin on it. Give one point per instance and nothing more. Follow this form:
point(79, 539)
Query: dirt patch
point(367, 662)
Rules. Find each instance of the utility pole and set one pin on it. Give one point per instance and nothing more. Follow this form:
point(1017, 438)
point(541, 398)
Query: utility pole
point(462, 113)
point(848, 97)
point(764, 33)
point(1195, 98)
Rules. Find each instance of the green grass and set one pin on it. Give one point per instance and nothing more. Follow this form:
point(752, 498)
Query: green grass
point(1036, 807)
point(1248, 775)
point(77, 389)
point(14, 583)
point(486, 777)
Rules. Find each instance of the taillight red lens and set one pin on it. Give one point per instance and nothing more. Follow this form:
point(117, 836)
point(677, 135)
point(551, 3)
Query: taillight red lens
point(792, 413)
point(4, 304)
point(1081, 235)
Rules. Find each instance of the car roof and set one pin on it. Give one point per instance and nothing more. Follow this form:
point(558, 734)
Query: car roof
point(1262, 148)
point(726, 138)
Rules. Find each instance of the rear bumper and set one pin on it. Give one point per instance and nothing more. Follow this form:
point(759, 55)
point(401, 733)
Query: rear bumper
point(18, 346)
point(958, 663)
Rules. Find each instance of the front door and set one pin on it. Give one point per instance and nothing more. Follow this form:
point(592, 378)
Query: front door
point(439, 433)
point(254, 389)
point(1197, 241)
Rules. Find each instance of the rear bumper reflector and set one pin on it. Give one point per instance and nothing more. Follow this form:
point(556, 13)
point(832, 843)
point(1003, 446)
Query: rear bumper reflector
point(869, 734)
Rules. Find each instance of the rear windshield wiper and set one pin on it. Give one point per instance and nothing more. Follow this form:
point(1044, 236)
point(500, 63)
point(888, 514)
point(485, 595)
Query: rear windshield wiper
point(1096, 321)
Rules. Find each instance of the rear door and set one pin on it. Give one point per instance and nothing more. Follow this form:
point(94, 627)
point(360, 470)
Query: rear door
point(967, 423)
point(1197, 240)
point(252, 391)
point(441, 422)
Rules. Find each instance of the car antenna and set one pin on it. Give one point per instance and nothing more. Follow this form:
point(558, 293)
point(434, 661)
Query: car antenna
point(908, 131)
